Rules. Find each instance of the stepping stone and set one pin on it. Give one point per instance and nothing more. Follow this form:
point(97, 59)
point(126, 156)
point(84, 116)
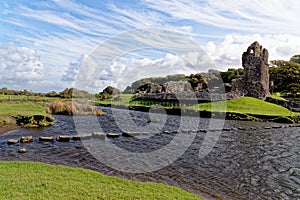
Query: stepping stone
point(130, 134)
point(46, 139)
point(98, 135)
point(81, 137)
point(12, 141)
point(203, 130)
point(26, 139)
point(189, 131)
point(268, 127)
point(277, 127)
point(63, 138)
point(113, 135)
point(226, 129)
point(23, 150)
point(241, 128)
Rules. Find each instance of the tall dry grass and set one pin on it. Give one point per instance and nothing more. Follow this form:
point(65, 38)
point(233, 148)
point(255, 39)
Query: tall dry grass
point(72, 108)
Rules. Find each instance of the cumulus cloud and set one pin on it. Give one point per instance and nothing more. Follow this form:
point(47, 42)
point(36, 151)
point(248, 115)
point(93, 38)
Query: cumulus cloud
point(123, 71)
point(228, 53)
point(70, 75)
point(19, 65)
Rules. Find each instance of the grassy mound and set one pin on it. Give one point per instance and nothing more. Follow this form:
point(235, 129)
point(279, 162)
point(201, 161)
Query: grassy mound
point(29, 180)
point(27, 114)
point(68, 108)
point(246, 105)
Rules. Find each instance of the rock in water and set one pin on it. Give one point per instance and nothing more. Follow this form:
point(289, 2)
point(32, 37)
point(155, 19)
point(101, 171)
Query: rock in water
point(22, 150)
point(112, 135)
point(46, 139)
point(12, 141)
point(26, 139)
point(255, 80)
point(98, 135)
point(63, 138)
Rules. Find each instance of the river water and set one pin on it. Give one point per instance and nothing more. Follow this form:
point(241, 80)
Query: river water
point(248, 162)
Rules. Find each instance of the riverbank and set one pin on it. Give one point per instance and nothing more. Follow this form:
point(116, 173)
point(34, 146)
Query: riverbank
point(245, 108)
point(9, 125)
point(15, 114)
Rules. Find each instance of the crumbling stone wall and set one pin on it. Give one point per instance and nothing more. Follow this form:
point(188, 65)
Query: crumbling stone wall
point(255, 80)
point(177, 87)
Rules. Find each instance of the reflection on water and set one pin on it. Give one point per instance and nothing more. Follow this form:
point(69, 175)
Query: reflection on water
point(245, 164)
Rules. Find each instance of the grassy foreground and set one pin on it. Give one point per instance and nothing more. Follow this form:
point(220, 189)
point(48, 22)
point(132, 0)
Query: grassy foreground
point(31, 180)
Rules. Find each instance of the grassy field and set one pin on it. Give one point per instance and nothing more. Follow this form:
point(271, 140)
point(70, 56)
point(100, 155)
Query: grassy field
point(26, 98)
point(24, 112)
point(28, 180)
point(245, 105)
point(14, 109)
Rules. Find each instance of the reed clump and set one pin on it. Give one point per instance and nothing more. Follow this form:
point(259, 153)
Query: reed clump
point(60, 107)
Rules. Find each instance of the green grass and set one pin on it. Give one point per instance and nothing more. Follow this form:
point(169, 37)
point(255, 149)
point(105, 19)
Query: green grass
point(276, 96)
point(26, 113)
point(122, 99)
point(246, 105)
point(29, 180)
point(25, 108)
point(26, 98)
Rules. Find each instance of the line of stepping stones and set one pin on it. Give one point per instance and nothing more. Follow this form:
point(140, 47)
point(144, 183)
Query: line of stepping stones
point(98, 135)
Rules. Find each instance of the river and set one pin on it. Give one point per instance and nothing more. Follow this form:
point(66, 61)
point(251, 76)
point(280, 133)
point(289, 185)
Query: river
point(249, 161)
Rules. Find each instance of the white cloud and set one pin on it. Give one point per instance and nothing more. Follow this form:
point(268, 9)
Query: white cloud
point(71, 73)
point(125, 70)
point(20, 66)
point(229, 52)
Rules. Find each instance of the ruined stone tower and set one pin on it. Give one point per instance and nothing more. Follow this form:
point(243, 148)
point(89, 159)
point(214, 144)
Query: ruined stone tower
point(255, 80)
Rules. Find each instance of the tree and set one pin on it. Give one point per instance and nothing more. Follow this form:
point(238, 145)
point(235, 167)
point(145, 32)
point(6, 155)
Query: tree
point(108, 93)
point(295, 58)
point(285, 75)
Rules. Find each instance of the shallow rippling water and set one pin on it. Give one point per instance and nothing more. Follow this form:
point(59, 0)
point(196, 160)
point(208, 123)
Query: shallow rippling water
point(244, 164)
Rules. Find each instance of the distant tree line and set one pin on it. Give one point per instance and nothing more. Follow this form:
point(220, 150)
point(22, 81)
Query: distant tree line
point(6, 91)
point(66, 93)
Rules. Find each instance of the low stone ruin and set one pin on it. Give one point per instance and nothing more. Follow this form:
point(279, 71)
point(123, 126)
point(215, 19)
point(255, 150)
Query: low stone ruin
point(255, 80)
point(177, 87)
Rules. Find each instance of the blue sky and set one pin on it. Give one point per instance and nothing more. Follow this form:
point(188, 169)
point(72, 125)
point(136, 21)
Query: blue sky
point(43, 44)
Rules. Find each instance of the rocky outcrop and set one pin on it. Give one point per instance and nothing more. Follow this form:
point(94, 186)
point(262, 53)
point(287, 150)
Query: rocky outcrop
point(178, 87)
point(255, 80)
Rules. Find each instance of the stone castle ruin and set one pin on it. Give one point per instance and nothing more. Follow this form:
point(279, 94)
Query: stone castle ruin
point(255, 80)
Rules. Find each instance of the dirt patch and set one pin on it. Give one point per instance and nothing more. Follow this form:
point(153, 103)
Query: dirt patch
point(8, 127)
